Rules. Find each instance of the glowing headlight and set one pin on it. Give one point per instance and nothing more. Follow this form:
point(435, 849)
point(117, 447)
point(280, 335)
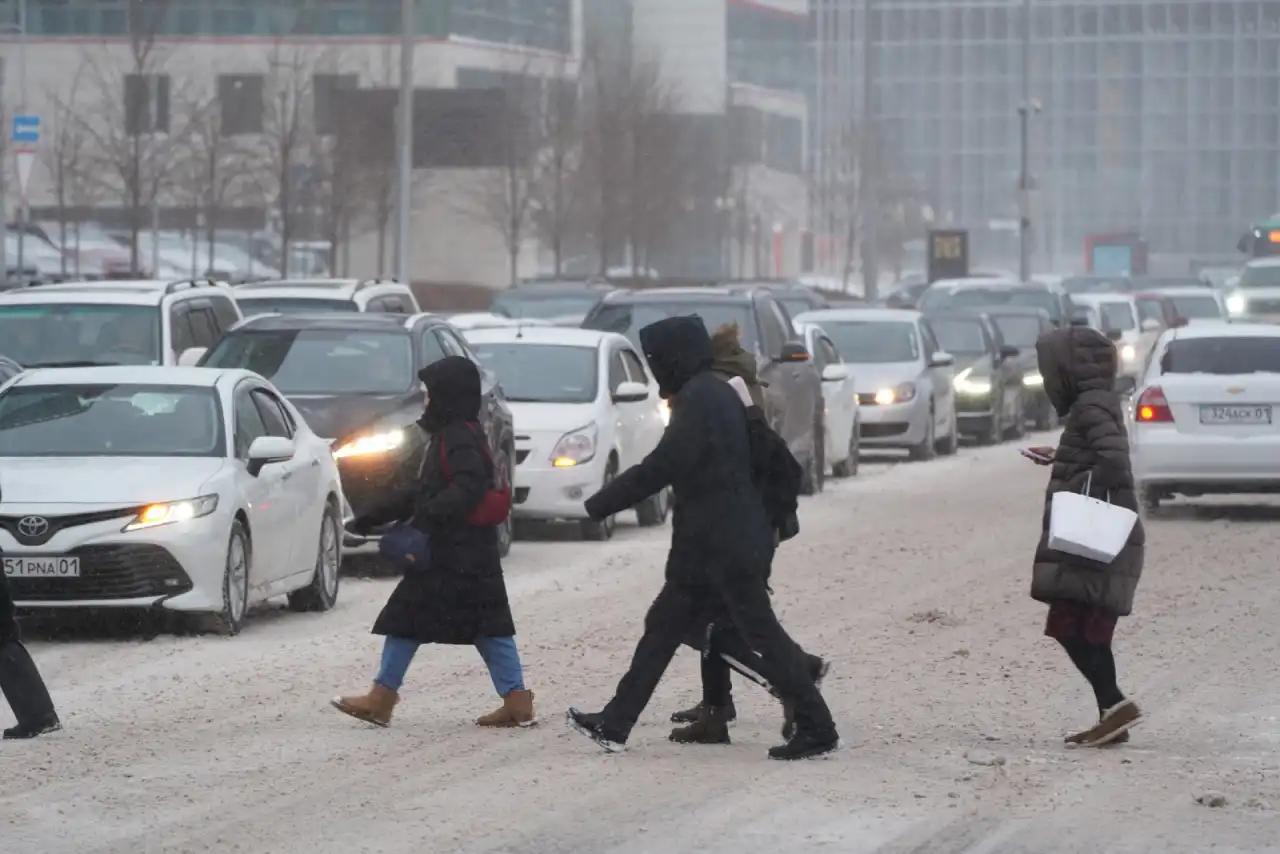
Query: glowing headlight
point(664, 411)
point(1033, 380)
point(376, 443)
point(898, 394)
point(1127, 353)
point(1237, 304)
point(575, 447)
point(967, 384)
point(154, 515)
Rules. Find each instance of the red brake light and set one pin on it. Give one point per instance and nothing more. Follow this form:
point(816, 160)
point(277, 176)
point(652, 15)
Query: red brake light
point(1153, 408)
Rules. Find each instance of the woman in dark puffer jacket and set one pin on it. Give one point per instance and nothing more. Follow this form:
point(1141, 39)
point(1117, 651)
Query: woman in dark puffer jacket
point(1086, 597)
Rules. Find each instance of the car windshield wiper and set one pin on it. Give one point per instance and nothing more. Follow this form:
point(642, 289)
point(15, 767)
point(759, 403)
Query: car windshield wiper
point(71, 364)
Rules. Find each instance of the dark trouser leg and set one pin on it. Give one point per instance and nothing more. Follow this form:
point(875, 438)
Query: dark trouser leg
point(782, 663)
point(1097, 664)
point(717, 690)
point(22, 686)
point(665, 626)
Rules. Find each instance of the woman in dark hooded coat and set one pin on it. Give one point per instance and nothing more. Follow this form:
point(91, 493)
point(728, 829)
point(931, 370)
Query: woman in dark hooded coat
point(1086, 597)
point(459, 597)
point(20, 680)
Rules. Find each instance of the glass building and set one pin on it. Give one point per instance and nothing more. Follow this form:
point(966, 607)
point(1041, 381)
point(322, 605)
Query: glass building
point(1160, 116)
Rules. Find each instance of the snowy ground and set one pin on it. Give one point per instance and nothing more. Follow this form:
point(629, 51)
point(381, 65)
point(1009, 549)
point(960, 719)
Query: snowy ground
point(912, 578)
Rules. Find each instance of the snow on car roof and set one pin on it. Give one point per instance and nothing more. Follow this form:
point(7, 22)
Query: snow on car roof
point(563, 335)
point(869, 313)
point(1225, 329)
point(128, 374)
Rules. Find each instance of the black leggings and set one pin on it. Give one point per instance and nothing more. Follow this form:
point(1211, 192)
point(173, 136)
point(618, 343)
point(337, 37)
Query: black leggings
point(1098, 665)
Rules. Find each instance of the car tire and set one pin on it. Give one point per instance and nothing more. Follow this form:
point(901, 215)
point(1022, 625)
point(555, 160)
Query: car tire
point(848, 467)
point(235, 583)
point(602, 530)
point(927, 449)
point(1149, 500)
point(653, 511)
point(948, 446)
point(507, 529)
point(321, 594)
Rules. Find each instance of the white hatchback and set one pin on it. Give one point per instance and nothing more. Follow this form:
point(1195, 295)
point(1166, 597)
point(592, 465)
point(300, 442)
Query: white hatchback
point(585, 409)
point(193, 490)
point(1203, 418)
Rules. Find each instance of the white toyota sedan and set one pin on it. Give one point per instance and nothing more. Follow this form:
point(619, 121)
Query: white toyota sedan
point(585, 409)
point(1203, 416)
point(198, 491)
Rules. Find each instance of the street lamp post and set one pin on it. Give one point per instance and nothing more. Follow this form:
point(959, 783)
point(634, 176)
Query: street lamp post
point(20, 29)
point(1028, 107)
point(404, 141)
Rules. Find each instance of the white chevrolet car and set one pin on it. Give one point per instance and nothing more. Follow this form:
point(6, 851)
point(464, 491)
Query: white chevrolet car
point(198, 491)
point(585, 409)
point(1203, 416)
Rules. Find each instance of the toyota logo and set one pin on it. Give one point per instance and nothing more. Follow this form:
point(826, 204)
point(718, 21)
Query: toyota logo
point(33, 526)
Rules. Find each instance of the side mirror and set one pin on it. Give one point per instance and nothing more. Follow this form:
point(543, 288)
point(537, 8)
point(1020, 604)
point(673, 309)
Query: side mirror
point(191, 356)
point(941, 360)
point(1150, 325)
point(1126, 385)
point(835, 372)
point(1114, 334)
point(630, 392)
point(793, 351)
point(269, 449)
point(1008, 351)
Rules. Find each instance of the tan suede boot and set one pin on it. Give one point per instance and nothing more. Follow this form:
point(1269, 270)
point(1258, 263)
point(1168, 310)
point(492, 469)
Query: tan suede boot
point(374, 707)
point(517, 710)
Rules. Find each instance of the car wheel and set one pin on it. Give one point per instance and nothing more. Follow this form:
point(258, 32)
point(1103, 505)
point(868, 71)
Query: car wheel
point(507, 529)
point(322, 593)
point(1149, 499)
point(848, 467)
point(652, 512)
point(927, 449)
point(235, 583)
point(602, 530)
point(948, 446)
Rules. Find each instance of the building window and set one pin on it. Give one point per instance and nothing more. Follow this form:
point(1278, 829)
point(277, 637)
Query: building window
point(146, 103)
point(240, 103)
point(326, 96)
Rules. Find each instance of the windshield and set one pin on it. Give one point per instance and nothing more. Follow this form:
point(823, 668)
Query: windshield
point(961, 337)
point(110, 421)
point(321, 361)
point(1197, 307)
point(49, 334)
point(1117, 315)
point(1097, 284)
point(874, 341)
point(969, 298)
point(1226, 355)
point(542, 306)
point(1018, 330)
point(1260, 277)
point(291, 305)
point(629, 318)
point(542, 373)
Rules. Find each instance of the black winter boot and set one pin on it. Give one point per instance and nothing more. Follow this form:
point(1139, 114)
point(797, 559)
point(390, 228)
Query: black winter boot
point(818, 668)
point(806, 745)
point(591, 724)
point(26, 693)
point(690, 715)
point(710, 727)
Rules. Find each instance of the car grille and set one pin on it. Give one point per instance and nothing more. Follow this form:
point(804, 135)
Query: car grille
point(881, 431)
point(522, 494)
point(973, 404)
point(127, 571)
point(1264, 306)
point(54, 524)
point(867, 399)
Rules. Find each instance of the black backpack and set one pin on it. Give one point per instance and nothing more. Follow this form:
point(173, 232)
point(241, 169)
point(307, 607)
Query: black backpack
point(776, 473)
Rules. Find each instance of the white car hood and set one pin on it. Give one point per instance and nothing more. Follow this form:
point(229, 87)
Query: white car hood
point(551, 417)
point(103, 481)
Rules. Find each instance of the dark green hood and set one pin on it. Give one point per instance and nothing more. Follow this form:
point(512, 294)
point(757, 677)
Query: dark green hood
point(729, 359)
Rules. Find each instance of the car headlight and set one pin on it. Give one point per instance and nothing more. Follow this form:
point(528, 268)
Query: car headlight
point(966, 383)
point(575, 447)
point(1237, 304)
point(373, 443)
point(155, 515)
point(664, 411)
point(1127, 353)
point(898, 394)
point(1033, 380)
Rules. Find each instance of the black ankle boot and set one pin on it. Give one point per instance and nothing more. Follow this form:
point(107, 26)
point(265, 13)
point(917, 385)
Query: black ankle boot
point(31, 729)
point(710, 727)
point(688, 716)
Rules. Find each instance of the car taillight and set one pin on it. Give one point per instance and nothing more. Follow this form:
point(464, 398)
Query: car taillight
point(1153, 408)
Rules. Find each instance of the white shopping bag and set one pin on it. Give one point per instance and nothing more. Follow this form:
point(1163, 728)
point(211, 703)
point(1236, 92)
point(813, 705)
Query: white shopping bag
point(1086, 527)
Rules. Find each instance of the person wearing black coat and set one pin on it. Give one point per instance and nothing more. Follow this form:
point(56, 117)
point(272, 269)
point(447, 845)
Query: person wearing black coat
point(1086, 598)
point(721, 544)
point(459, 597)
point(20, 680)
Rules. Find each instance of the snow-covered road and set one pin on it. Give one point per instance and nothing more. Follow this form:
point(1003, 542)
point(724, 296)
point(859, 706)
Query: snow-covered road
point(912, 578)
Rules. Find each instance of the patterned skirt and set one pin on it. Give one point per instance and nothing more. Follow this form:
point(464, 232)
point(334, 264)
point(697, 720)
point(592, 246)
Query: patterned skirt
point(1076, 621)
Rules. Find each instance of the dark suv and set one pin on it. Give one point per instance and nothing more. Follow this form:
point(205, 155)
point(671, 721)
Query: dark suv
point(793, 396)
point(562, 302)
point(354, 377)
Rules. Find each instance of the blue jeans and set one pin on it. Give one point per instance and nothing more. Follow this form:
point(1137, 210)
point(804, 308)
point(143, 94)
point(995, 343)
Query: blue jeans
point(500, 656)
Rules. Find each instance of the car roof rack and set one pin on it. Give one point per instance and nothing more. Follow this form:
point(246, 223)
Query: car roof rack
point(187, 284)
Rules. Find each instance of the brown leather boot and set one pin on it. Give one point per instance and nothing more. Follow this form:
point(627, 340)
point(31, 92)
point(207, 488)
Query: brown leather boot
point(374, 707)
point(711, 727)
point(517, 710)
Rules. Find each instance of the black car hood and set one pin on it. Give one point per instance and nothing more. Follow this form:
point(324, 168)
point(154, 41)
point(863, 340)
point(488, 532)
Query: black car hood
point(339, 416)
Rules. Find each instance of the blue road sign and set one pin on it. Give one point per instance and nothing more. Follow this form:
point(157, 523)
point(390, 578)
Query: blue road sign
point(26, 129)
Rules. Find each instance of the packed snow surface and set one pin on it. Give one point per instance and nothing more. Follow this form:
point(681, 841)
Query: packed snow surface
point(912, 578)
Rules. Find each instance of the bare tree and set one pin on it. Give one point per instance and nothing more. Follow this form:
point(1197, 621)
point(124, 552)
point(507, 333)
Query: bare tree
point(556, 188)
point(66, 158)
point(217, 165)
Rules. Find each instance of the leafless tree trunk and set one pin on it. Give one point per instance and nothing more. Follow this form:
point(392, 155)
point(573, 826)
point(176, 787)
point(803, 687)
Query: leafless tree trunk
point(557, 180)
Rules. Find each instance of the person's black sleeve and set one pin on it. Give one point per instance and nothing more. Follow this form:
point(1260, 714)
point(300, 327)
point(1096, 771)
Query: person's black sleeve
point(677, 451)
point(468, 483)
